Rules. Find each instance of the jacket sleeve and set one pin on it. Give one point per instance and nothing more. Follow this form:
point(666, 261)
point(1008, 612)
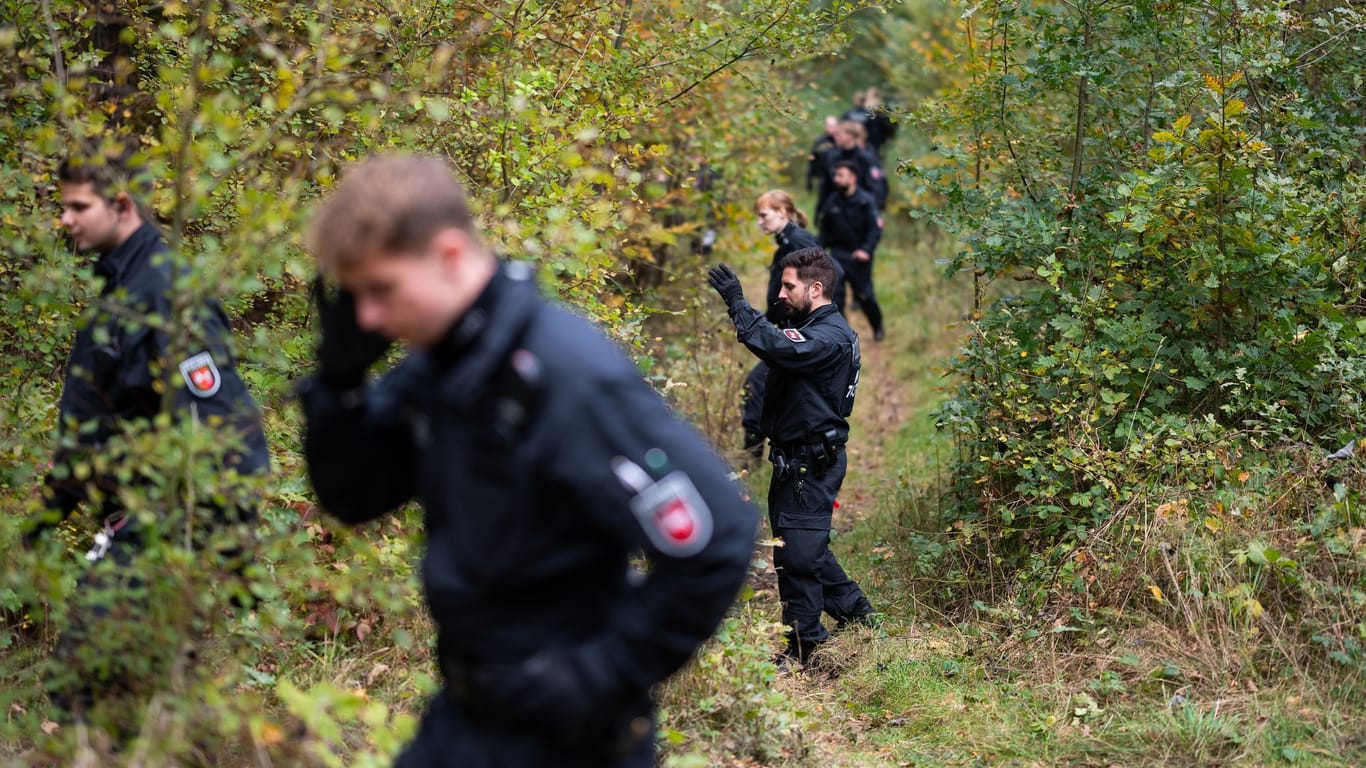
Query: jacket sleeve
point(134, 387)
point(629, 463)
point(776, 346)
point(874, 224)
point(359, 448)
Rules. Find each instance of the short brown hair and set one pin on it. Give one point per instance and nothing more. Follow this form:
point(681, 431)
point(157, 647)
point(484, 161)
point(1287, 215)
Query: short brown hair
point(813, 265)
point(109, 170)
point(388, 203)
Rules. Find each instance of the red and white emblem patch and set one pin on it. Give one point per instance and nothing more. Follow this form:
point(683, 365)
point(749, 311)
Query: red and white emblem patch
point(674, 516)
point(794, 334)
point(201, 375)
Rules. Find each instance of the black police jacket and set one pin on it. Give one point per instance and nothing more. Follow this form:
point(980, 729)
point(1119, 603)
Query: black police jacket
point(864, 161)
point(812, 377)
point(881, 129)
point(877, 184)
point(122, 362)
point(850, 223)
point(543, 462)
point(815, 162)
point(791, 239)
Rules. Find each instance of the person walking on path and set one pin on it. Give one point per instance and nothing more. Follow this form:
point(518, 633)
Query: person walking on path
point(812, 381)
point(850, 229)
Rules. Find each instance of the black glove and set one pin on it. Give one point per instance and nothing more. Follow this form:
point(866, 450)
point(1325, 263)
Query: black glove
point(726, 283)
point(346, 352)
point(550, 690)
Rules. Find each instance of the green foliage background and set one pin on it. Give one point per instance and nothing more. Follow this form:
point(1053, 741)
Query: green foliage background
point(1158, 203)
point(581, 129)
point(1168, 327)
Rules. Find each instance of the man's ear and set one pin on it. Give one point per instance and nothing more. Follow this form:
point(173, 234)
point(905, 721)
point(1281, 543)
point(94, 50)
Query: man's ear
point(123, 203)
point(819, 285)
point(451, 245)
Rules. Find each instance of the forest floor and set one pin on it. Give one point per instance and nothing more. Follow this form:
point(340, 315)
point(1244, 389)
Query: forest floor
point(927, 690)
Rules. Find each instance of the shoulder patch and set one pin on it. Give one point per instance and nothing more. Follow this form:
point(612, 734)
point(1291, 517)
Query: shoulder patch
point(674, 516)
point(201, 375)
point(794, 334)
point(670, 511)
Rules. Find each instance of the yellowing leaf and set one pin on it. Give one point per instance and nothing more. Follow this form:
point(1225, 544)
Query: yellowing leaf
point(1157, 593)
point(271, 734)
point(1213, 524)
point(1182, 123)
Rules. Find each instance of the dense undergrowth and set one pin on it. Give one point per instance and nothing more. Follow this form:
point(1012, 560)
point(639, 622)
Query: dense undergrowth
point(599, 143)
point(1122, 545)
point(1165, 343)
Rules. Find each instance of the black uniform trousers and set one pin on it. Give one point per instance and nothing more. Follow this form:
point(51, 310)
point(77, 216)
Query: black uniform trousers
point(108, 609)
point(858, 275)
point(801, 503)
point(455, 735)
point(107, 643)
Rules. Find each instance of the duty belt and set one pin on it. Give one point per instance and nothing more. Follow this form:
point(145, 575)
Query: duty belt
point(789, 455)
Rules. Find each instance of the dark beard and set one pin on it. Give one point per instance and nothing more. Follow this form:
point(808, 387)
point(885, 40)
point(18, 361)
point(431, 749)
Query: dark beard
point(796, 312)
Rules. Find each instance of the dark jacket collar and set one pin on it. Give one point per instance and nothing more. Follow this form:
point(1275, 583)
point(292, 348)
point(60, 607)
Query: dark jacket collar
point(785, 235)
point(114, 265)
point(483, 337)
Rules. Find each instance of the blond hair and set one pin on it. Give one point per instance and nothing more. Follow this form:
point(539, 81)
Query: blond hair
point(779, 200)
point(391, 204)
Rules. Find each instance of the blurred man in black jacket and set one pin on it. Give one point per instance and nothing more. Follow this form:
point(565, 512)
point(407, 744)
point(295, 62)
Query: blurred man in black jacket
point(542, 462)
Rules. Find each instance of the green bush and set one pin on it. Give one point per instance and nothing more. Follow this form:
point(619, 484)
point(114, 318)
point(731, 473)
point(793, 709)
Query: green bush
point(579, 128)
point(1165, 250)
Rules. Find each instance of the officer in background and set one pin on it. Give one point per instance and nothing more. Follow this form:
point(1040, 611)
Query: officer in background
point(859, 112)
point(876, 179)
point(849, 148)
point(813, 377)
point(850, 229)
point(122, 363)
point(880, 126)
point(815, 162)
point(869, 112)
point(543, 463)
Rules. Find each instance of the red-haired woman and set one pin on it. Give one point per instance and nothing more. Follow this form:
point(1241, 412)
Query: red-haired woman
point(778, 216)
